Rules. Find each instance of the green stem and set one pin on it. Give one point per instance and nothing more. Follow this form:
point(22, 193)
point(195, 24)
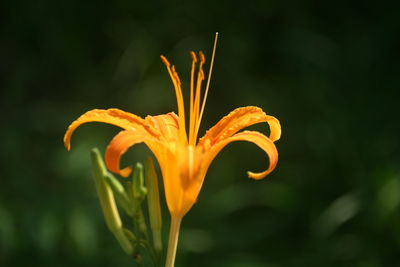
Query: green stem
point(173, 241)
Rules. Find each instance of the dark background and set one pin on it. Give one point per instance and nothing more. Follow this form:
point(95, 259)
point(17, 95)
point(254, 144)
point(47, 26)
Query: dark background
point(328, 70)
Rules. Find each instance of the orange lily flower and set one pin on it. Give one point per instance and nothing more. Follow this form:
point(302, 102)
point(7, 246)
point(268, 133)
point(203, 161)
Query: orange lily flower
point(182, 157)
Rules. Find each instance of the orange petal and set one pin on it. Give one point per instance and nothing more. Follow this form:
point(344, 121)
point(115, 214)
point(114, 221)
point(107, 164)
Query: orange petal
point(118, 146)
point(166, 124)
point(257, 138)
point(113, 116)
point(239, 119)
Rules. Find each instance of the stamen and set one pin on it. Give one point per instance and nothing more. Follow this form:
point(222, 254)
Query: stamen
point(165, 61)
point(179, 97)
point(176, 76)
point(196, 108)
point(202, 57)
point(208, 81)
point(191, 118)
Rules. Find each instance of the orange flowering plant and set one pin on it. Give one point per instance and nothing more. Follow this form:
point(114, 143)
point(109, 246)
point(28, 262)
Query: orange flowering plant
point(182, 156)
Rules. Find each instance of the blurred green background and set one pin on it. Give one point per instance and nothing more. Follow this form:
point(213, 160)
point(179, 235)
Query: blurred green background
point(329, 71)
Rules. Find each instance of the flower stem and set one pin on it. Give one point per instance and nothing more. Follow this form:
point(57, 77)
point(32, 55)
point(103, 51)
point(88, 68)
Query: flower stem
point(173, 240)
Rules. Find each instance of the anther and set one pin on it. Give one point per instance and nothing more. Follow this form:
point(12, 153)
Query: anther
point(165, 61)
point(202, 57)
point(193, 55)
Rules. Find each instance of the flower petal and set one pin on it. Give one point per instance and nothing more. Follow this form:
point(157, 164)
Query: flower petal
point(166, 124)
point(113, 116)
point(257, 138)
point(118, 146)
point(239, 119)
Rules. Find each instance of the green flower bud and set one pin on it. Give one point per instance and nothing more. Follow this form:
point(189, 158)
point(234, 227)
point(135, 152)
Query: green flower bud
point(107, 202)
point(153, 200)
point(120, 193)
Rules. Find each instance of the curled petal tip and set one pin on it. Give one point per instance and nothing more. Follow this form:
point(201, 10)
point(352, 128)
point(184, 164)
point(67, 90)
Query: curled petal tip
point(125, 172)
point(260, 175)
point(67, 145)
point(275, 129)
point(256, 176)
